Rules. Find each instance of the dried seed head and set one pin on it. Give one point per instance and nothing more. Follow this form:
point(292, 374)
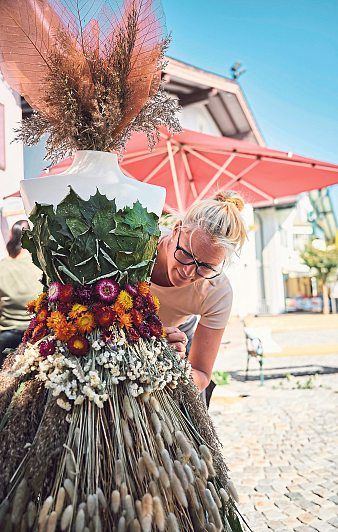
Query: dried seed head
point(91, 505)
point(135, 526)
point(147, 504)
point(118, 472)
point(52, 521)
point(20, 501)
point(178, 490)
point(97, 523)
point(169, 423)
point(167, 462)
point(60, 499)
point(66, 517)
point(194, 459)
point(80, 521)
point(69, 487)
point(166, 433)
point(70, 466)
point(45, 511)
point(181, 474)
point(129, 507)
point(127, 407)
point(159, 515)
point(128, 440)
point(172, 524)
point(164, 478)
point(123, 492)
point(121, 527)
point(211, 469)
point(184, 444)
point(205, 453)
point(150, 464)
point(101, 498)
point(155, 404)
point(141, 469)
point(189, 473)
point(159, 442)
point(31, 514)
point(224, 495)
point(233, 491)
point(138, 508)
point(216, 498)
point(211, 527)
point(204, 469)
point(200, 484)
point(156, 423)
point(192, 497)
point(115, 501)
point(147, 512)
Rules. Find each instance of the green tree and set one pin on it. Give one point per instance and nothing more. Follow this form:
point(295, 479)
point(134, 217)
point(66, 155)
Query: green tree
point(324, 262)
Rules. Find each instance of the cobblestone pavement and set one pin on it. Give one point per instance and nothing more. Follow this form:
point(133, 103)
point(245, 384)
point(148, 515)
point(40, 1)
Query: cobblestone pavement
point(281, 445)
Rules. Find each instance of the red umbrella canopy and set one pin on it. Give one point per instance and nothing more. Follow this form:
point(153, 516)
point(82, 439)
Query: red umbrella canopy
point(192, 165)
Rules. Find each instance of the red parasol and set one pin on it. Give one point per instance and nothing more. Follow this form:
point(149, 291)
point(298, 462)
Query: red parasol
point(192, 165)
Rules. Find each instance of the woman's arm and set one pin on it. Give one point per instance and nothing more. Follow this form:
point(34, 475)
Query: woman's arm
point(203, 352)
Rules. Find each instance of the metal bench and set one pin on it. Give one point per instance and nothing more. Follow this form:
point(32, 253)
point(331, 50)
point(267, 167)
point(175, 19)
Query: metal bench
point(254, 347)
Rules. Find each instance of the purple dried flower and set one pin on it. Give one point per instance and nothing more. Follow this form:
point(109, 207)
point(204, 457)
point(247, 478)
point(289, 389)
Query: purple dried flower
point(47, 348)
point(54, 292)
point(84, 293)
point(107, 290)
point(144, 331)
point(132, 290)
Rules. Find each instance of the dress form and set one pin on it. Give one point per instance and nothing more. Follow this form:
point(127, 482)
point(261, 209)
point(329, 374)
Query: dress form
point(92, 170)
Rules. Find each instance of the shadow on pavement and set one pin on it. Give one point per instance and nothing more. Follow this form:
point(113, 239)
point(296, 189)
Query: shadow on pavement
point(280, 373)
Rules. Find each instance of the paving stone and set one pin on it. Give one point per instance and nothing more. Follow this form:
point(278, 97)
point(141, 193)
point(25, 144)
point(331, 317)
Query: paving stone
point(287, 475)
point(307, 518)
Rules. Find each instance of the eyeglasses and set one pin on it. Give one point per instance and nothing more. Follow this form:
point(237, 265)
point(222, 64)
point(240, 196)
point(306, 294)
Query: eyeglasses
point(187, 259)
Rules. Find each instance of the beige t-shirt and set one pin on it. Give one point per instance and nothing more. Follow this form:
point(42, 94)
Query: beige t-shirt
point(209, 298)
point(19, 284)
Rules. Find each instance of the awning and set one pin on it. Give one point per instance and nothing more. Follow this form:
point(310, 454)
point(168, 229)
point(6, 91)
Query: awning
point(193, 165)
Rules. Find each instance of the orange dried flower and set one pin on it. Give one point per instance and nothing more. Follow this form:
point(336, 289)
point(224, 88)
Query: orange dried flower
point(85, 323)
point(118, 309)
point(125, 320)
point(40, 301)
point(77, 310)
point(31, 306)
point(137, 317)
point(42, 315)
point(156, 302)
point(55, 319)
point(125, 300)
point(64, 331)
point(39, 332)
point(143, 288)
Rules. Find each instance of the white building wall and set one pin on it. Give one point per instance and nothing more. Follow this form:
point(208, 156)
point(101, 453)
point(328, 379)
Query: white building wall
point(197, 118)
point(242, 270)
point(13, 173)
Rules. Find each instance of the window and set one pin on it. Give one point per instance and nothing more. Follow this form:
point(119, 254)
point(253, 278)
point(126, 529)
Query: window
point(2, 138)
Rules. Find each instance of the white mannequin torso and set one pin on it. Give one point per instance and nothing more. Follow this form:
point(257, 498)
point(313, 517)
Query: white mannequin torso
point(92, 170)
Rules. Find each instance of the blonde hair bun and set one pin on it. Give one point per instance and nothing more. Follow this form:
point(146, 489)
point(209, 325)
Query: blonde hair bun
point(231, 197)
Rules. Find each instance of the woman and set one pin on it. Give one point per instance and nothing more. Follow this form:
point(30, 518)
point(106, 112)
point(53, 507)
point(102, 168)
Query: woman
point(19, 283)
point(189, 280)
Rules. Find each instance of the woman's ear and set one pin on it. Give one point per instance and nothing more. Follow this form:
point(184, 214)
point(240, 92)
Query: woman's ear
point(177, 226)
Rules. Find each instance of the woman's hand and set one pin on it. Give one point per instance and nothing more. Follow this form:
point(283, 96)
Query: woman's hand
point(177, 339)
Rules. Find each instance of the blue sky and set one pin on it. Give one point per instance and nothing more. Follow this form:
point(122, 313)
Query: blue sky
point(290, 51)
